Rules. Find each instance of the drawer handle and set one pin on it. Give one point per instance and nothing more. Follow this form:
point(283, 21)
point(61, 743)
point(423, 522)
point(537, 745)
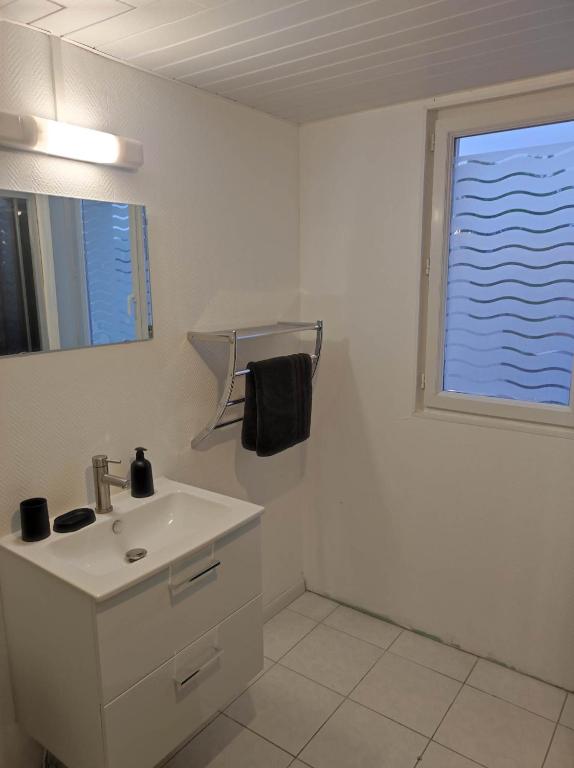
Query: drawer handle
point(204, 571)
point(182, 682)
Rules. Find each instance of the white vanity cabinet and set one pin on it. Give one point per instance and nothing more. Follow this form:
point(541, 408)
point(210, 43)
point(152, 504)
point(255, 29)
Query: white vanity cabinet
point(121, 682)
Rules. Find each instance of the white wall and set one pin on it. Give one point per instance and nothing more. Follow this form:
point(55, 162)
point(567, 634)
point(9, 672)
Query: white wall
point(463, 531)
point(221, 185)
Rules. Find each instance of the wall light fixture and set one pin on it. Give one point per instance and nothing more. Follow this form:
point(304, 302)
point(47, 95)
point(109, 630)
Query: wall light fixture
point(51, 137)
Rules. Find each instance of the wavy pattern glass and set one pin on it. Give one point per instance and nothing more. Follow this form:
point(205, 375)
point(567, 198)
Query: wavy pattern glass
point(509, 326)
point(108, 251)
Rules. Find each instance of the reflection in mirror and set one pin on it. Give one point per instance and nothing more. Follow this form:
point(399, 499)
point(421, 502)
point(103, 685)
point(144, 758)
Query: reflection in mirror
point(73, 273)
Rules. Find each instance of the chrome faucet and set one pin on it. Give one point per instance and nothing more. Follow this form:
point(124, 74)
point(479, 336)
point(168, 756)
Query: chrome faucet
point(103, 480)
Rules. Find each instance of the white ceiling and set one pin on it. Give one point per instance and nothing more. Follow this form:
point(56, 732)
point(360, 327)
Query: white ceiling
point(309, 59)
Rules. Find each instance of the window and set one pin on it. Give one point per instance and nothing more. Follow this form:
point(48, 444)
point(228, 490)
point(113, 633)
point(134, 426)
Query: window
point(500, 315)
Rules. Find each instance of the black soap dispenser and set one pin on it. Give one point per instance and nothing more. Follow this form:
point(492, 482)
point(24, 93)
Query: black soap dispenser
point(141, 476)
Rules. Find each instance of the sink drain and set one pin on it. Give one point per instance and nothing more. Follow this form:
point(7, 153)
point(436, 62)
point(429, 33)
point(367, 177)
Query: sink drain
point(132, 555)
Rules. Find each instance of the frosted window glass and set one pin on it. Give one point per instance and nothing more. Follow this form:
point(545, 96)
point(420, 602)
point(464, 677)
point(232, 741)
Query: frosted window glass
point(108, 254)
point(509, 314)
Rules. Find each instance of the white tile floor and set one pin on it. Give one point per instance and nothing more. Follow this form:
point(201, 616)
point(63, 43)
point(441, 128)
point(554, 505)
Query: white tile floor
point(341, 689)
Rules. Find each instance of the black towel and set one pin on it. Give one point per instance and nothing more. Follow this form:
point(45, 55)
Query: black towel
point(278, 396)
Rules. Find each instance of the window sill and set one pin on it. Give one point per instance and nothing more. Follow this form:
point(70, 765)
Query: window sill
point(494, 422)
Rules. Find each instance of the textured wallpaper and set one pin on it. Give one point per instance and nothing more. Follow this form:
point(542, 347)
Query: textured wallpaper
point(220, 183)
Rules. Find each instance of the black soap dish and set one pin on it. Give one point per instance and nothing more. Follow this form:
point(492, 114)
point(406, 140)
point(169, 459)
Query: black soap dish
point(74, 520)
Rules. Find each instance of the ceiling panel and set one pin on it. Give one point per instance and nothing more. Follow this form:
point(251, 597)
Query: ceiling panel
point(465, 54)
point(309, 59)
point(426, 83)
point(383, 44)
point(79, 15)
point(141, 19)
point(236, 15)
point(28, 12)
point(329, 29)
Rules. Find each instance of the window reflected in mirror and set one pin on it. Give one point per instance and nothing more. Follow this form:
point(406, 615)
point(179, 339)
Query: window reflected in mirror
point(73, 273)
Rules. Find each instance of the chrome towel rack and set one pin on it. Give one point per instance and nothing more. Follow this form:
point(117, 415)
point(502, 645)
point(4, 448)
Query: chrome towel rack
point(232, 337)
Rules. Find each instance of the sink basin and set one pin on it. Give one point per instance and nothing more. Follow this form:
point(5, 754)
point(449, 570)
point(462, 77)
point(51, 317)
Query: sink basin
point(160, 523)
point(177, 521)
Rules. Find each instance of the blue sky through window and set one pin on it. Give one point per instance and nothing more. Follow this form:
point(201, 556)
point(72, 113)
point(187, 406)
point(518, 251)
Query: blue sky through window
point(519, 138)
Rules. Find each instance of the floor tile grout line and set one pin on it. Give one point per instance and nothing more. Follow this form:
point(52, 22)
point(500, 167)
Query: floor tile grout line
point(465, 682)
point(260, 735)
point(389, 648)
point(306, 615)
point(458, 754)
point(477, 658)
point(306, 744)
point(222, 712)
point(394, 626)
point(311, 680)
point(319, 621)
point(384, 652)
point(422, 636)
point(444, 645)
point(354, 701)
point(470, 671)
point(376, 645)
point(419, 633)
point(359, 703)
point(328, 687)
point(467, 685)
point(432, 669)
point(334, 629)
point(462, 684)
point(297, 642)
point(441, 722)
point(450, 706)
point(519, 706)
point(354, 688)
point(388, 717)
point(554, 733)
point(331, 690)
point(401, 633)
point(257, 677)
point(345, 698)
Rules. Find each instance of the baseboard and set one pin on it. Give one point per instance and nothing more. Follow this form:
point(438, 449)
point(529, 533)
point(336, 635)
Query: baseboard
point(283, 600)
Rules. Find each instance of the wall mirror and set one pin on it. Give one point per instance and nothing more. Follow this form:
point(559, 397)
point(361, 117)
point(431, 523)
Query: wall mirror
point(73, 273)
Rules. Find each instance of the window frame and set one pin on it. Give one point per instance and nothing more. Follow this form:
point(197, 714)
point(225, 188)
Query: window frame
point(447, 125)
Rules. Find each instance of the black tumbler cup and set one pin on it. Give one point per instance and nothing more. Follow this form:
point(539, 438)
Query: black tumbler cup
point(34, 519)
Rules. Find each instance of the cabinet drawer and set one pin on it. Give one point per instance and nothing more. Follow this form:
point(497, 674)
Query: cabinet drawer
point(150, 720)
point(146, 625)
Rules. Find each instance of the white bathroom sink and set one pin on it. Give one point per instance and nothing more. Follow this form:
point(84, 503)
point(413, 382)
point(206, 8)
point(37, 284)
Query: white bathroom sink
point(177, 521)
